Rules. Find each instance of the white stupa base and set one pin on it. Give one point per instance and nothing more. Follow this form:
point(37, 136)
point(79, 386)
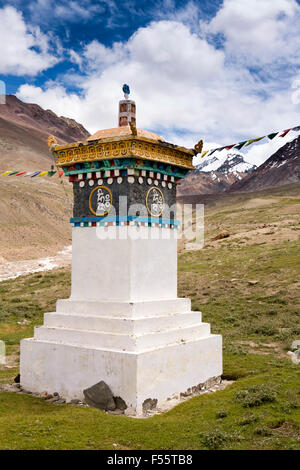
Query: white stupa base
point(146, 353)
point(158, 374)
point(123, 324)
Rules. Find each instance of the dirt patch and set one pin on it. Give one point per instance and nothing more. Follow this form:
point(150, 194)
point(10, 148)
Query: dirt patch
point(265, 348)
point(292, 209)
point(12, 361)
point(270, 234)
point(287, 429)
point(258, 202)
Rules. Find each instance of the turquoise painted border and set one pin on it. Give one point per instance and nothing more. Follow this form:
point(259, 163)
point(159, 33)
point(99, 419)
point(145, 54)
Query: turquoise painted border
point(149, 220)
point(130, 163)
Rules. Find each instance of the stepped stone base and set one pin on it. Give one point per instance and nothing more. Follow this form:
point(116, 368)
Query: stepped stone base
point(141, 350)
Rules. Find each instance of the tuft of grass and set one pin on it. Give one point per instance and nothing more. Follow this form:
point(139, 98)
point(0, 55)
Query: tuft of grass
point(263, 431)
point(248, 419)
point(257, 395)
point(217, 439)
point(222, 414)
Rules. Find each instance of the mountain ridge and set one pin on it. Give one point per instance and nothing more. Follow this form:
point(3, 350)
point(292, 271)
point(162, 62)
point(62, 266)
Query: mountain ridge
point(24, 130)
point(283, 167)
point(216, 175)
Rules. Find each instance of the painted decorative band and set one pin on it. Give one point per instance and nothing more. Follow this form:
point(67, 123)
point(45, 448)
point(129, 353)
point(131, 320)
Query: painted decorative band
point(123, 220)
point(118, 167)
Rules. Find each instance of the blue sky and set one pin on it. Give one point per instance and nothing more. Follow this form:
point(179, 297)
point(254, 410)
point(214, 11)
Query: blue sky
point(77, 23)
point(219, 70)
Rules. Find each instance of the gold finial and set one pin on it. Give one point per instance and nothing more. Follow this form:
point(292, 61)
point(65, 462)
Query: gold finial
point(51, 141)
point(199, 146)
point(133, 128)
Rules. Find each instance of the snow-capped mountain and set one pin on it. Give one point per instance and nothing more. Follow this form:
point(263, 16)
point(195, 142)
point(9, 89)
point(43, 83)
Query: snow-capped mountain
point(216, 174)
point(283, 167)
point(230, 163)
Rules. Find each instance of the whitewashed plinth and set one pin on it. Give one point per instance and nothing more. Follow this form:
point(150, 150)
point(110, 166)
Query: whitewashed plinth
point(143, 346)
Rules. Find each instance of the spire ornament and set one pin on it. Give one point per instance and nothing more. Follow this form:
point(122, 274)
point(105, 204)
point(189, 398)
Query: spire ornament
point(126, 91)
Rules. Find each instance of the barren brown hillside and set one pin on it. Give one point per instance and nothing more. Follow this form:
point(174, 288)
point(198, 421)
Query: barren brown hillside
point(24, 129)
point(34, 217)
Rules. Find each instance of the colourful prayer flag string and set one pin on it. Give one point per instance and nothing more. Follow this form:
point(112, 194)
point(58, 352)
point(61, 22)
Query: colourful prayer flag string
point(246, 143)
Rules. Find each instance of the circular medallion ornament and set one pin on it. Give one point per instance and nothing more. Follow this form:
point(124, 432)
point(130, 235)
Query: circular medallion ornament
point(155, 202)
point(100, 201)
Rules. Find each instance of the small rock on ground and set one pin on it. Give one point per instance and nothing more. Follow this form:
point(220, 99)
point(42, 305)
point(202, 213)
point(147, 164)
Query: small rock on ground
point(100, 396)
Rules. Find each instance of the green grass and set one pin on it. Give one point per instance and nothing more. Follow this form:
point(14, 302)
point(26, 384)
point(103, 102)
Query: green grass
point(217, 281)
point(29, 423)
point(259, 410)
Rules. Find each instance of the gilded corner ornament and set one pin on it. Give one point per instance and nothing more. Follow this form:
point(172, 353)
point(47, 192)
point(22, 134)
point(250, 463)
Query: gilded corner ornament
point(199, 146)
point(133, 128)
point(51, 141)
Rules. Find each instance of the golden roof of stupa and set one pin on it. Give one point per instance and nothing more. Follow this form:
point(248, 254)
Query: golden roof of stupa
point(123, 132)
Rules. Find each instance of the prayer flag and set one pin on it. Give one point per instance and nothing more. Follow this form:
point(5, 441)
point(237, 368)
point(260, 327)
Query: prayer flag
point(240, 145)
point(254, 140)
point(271, 136)
point(204, 153)
point(285, 133)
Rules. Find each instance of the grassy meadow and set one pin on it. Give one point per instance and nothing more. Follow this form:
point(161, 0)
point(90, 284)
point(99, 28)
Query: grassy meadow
point(246, 285)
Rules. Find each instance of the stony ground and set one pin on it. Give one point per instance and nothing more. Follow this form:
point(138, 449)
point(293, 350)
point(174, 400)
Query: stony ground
point(246, 285)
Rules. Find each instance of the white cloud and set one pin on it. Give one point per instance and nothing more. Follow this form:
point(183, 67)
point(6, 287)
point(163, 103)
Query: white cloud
point(97, 56)
point(54, 98)
point(259, 31)
point(184, 87)
point(24, 50)
point(41, 11)
point(163, 63)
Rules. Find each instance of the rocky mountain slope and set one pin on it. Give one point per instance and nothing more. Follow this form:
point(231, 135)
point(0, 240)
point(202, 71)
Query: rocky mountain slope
point(24, 129)
point(283, 167)
point(215, 175)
